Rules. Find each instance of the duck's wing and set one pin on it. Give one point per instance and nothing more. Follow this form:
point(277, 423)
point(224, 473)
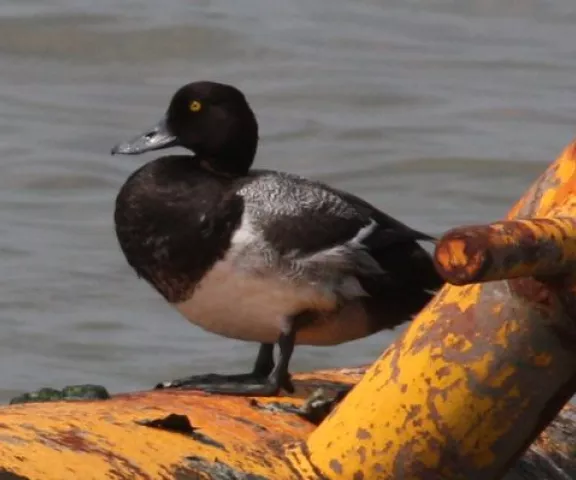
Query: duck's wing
point(309, 231)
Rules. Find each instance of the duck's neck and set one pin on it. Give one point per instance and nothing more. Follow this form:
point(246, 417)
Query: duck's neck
point(209, 165)
point(233, 161)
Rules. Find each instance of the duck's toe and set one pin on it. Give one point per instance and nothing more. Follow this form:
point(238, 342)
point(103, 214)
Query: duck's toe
point(242, 384)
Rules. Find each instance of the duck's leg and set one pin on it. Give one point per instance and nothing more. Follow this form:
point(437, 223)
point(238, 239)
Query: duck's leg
point(264, 363)
point(266, 378)
point(278, 378)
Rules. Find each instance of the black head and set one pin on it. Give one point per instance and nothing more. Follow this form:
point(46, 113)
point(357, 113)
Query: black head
point(211, 119)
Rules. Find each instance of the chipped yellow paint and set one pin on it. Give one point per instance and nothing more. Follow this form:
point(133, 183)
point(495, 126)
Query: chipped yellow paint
point(501, 377)
point(511, 249)
point(467, 296)
point(455, 255)
point(96, 440)
point(462, 390)
point(496, 309)
point(504, 332)
point(461, 298)
point(451, 340)
point(565, 166)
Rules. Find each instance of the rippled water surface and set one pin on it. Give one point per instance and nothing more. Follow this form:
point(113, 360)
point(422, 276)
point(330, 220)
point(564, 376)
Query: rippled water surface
point(440, 112)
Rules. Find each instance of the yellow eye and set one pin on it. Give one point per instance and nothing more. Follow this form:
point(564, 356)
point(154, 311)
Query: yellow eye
point(195, 106)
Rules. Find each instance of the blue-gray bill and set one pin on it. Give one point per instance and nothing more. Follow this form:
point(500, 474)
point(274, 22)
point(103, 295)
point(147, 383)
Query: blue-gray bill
point(156, 138)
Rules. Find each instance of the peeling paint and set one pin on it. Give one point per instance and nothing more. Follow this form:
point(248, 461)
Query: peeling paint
point(335, 466)
point(202, 468)
point(510, 249)
point(181, 424)
point(464, 388)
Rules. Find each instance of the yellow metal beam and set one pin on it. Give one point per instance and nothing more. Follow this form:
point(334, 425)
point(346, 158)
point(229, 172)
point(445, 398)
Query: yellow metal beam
point(474, 379)
point(208, 436)
point(221, 438)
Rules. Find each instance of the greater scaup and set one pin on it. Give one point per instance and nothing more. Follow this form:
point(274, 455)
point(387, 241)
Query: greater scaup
point(260, 255)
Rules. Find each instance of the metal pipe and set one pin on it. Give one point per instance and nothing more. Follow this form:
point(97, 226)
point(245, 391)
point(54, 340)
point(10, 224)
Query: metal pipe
point(480, 371)
point(541, 247)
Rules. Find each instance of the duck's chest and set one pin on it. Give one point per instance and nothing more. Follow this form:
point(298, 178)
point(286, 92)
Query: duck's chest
point(174, 224)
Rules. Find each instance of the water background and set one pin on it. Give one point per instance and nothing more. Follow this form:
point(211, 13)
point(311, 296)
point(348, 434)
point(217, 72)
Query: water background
point(439, 112)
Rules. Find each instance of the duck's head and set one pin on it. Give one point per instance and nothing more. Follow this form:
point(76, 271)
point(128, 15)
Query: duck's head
point(211, 119)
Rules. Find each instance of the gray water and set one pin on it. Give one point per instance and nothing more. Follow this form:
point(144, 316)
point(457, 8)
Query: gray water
point(439, 112)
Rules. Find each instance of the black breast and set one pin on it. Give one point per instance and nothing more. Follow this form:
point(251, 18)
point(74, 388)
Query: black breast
point(174, 221)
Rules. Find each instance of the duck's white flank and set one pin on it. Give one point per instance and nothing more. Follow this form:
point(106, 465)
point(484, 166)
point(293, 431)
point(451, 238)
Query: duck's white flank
point(241, 298)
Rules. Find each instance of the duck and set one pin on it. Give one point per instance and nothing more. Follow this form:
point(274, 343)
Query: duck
point(260, 255)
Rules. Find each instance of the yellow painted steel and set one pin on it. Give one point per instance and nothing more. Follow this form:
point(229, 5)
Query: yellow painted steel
point(233, 436)
point(509, 249)
point(105, 439)
point(476, 376)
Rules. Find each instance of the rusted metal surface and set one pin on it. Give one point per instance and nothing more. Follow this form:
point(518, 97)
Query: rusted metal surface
point(474, 379)
point(189, 435)
point(553, 454)
point(516, 248)
point(161, 435)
